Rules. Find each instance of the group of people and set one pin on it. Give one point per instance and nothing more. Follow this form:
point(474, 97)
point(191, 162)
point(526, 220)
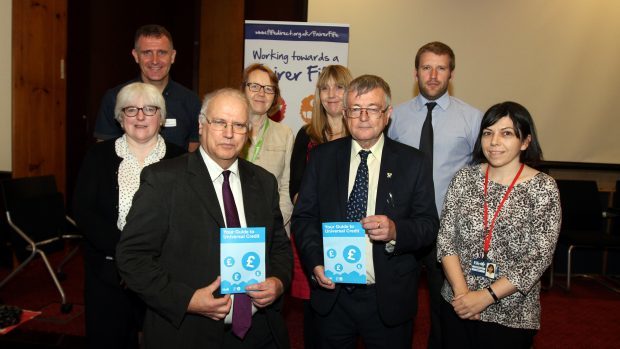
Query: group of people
point(435, 184)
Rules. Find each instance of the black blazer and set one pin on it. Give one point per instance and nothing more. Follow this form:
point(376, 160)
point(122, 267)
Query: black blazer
point(405, 194)
point(95, 207)
point(171, 246)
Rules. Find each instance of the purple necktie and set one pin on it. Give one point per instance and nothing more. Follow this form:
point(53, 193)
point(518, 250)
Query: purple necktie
point(242, 307)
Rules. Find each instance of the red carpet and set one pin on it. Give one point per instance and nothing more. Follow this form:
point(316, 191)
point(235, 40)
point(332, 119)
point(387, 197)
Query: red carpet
point(587, 317)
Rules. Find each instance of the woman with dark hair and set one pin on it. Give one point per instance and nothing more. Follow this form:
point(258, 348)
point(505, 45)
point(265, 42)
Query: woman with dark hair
point(500, 212)
point(326, 124)
point(270, 143)
point(107, 182)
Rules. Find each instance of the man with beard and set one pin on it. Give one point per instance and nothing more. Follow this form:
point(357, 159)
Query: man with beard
point(445, 129)
point(154, 53)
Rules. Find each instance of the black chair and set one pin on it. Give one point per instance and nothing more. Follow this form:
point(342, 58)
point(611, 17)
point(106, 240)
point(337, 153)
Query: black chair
point(35, 211)
point(584, 224)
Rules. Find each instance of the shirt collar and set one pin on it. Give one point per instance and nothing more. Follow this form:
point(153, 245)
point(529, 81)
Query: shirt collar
point(443, 102)
point(121, 147)
point(214, 169)
point(166, 89)
point(375, 150)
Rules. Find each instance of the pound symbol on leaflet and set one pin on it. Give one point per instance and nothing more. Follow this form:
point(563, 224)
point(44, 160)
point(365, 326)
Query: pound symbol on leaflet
point(352, 253)
point(251, 261)
point(331, 253)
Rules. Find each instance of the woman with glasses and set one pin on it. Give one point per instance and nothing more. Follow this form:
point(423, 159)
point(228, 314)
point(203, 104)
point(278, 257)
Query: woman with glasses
point(108, 179)
point(326, 124)
point(498, 231)
point(270, 143)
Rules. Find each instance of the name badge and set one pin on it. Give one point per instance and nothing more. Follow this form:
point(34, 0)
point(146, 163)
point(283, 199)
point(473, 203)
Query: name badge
point(484, 267)
point(171, 123)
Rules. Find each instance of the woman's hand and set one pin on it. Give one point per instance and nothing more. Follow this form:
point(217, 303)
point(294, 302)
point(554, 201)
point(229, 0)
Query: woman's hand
point(471, 304)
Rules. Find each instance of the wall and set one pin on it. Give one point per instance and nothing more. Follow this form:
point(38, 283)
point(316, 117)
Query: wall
point(559, 58)
point(5, 85)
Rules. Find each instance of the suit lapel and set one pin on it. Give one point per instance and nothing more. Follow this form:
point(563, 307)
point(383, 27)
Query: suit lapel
point(343, 162)
point(251, 194)
point(388, 163)
point(200, 181)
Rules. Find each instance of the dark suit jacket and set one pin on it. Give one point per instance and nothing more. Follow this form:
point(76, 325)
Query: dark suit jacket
point(170, 247)
point(405, 194)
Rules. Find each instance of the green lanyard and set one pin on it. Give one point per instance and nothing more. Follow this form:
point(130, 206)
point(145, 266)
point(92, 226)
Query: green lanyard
point(259, 144)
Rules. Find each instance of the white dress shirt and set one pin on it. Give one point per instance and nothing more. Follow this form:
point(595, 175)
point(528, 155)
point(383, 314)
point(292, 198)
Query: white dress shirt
point(215, 171)
point(374, 166)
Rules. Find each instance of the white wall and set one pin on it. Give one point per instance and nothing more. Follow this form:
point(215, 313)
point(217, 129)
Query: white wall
point(559, 58)
point(5, 84)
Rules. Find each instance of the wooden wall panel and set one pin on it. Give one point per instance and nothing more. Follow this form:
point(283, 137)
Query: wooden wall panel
point(277, 10)
point(221, 45)
point(39, 90)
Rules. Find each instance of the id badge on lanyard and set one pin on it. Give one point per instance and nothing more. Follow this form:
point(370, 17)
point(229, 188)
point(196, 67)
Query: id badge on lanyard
point(483, 266)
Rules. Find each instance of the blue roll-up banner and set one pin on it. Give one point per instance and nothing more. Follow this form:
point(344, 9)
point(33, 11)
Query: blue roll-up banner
point(296, 52)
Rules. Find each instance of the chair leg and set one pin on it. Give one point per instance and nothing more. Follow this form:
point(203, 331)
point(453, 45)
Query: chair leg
point(551, 275)
point(18, 269)
point(568, 267)
point(66, 259)
point(53, 275)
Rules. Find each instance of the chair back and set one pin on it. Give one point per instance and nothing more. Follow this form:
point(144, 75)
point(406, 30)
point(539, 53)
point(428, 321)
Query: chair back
point(581, 205)
point(35, 206)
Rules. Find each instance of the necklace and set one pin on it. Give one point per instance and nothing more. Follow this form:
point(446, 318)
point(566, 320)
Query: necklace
point(334, 133)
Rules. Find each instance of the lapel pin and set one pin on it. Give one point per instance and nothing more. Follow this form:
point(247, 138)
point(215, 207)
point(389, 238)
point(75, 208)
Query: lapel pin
point(389, 175)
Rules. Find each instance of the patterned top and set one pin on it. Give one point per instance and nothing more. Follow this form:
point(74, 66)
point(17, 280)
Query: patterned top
point(522, 246)
point(129, 173)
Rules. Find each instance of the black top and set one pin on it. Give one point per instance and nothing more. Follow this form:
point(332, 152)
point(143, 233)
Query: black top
point(299, 158)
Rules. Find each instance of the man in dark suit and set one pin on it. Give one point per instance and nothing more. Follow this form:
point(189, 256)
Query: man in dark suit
point(397, 211)
point(169, 252)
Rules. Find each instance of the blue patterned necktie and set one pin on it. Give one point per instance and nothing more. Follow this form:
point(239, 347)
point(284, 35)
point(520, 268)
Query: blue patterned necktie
point(358, 199)
point(242, 306)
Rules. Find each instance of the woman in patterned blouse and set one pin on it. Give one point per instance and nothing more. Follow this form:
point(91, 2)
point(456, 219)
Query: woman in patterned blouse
point(504, 213)
point(108, 180)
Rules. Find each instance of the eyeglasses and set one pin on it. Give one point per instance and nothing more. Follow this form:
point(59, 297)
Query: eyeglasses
point(254, 87)
point(221, 125)
point(147, 110)
point(356, 112)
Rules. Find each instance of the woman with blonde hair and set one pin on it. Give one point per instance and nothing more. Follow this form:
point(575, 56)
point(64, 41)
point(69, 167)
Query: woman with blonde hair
point(326, 123)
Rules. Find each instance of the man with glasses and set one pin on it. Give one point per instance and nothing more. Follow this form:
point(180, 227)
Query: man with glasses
point(445, 129)
point(169, 251)
point(366, 178)
point(154, 52)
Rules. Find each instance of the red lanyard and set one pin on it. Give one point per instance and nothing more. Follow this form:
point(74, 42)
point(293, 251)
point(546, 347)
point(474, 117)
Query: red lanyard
point(489, 230)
